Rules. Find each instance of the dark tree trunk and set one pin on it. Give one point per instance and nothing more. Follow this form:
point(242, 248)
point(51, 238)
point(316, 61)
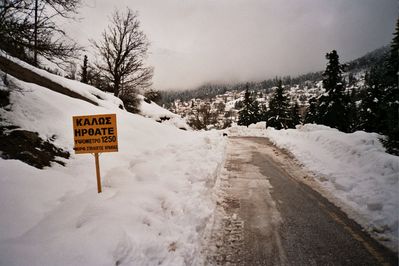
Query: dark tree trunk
point(117, 85)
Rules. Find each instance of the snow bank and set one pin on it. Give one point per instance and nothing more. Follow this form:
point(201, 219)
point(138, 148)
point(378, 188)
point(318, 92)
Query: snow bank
point(156, 189)
point(354, 167)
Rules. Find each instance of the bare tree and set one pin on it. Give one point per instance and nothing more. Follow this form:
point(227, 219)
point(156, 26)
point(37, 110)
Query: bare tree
point(122, 51)
point(27, 28)
point(49, 9)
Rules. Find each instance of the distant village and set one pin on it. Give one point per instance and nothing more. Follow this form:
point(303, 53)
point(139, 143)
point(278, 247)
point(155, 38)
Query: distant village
point(222, 110)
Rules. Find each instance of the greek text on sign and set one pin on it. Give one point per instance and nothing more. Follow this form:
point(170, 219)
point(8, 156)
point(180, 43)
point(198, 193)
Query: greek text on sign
point(95, 133)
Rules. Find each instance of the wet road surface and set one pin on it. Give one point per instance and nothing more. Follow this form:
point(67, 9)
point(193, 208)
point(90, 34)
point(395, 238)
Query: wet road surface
point(267, 216)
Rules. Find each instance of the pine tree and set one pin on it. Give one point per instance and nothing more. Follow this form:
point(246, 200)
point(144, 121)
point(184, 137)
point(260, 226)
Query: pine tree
point(353, 110)
point(379, 110)
point(311, 112)
point(254, 110)
point(244, 118)
point(84, 78)
point(332, 109)
point(391, 99)
point(250, 112)
point(393, 63)
point(263, 114)
point(278, 114)
point(371, 110)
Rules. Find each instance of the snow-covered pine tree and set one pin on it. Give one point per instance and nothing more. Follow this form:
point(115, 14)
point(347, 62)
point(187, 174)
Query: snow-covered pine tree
point(380, 103)
point(250, 112)
point(278, 114)
point(254, 109)
point(263, 115)
point(353, 110)
point(371, 109)
point(244, 115)
point(332, 110)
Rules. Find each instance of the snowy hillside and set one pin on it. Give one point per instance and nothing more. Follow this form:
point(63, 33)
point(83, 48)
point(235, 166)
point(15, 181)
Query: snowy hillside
point(161, 115)
point(354, 168)
point(156, 198)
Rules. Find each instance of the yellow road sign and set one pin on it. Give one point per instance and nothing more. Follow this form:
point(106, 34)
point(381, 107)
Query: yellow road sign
point(95, 133)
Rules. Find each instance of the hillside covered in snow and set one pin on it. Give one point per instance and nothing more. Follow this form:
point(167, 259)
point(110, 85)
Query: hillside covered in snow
point(157, 195)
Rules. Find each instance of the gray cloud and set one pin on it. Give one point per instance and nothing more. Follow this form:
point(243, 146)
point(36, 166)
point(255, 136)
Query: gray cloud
point(196, 41)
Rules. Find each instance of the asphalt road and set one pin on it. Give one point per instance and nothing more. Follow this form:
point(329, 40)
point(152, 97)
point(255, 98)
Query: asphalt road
point(267, 216)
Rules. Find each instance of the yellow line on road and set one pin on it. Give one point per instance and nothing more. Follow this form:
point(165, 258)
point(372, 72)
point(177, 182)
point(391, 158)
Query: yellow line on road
point(377, 255)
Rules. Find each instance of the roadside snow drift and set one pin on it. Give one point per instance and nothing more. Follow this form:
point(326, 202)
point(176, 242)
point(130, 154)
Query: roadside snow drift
point(354, 167)
point(156, 190)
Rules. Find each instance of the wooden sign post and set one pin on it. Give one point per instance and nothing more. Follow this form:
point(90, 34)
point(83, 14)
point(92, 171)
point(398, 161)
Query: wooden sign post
point(95, 134)
point(98, 172)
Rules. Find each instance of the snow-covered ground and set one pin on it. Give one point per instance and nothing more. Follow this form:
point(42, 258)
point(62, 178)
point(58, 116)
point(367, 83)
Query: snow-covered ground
point(157, 190)
point(159, 114)
point(354, 167)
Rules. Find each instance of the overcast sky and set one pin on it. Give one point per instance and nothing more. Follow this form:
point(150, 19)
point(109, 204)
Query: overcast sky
point(199, 41)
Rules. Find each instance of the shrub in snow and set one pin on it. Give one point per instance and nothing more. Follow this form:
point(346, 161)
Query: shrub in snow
point(131, 102)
